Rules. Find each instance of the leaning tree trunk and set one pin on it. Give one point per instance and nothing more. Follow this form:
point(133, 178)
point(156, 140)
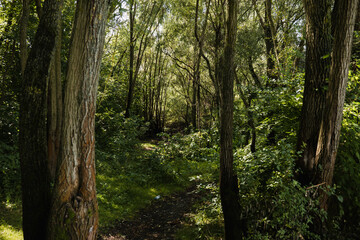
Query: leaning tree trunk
point(33, 151)
point(229, 192)
point(74, 212)
point(345, 14)
point(318, 49)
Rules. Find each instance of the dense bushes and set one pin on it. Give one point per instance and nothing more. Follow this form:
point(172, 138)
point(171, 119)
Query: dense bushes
point(346, 209)
point(9, 158)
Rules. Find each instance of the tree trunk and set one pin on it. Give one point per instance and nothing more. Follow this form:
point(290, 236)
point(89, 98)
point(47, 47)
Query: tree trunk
point(55, 108)
point(229, 192)
point(329, 136)
point(131, 59)
point(270, 42)
point(318, 49)
point(23, 34)
point(33, 148)
point(74, 213)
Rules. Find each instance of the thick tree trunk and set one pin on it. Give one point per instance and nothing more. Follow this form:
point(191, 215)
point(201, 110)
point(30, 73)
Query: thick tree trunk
point(74, 213)
point(33, 148)
point(318, 50)
point(23, 34)
point(55, 108)
point(229, 192)
point(345, 14)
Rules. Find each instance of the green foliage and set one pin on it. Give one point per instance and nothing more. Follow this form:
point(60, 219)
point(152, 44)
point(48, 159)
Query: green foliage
point(126, 185)
point(130, 177)
point(275, 205)
point(10, 221)
point(9, 173)
point(347, 205)
point(193, 156)
point(206, 222)
point(9, 157)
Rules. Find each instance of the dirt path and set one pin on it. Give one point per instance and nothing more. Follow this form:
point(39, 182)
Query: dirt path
point(160, 220)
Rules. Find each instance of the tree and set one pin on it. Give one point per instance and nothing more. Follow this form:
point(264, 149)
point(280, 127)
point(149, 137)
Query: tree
point(139, 34)
point(74, 213)
point(33, 148)
point(325, 88)
point(235, 227)
point(268, 26)
point(318, 49)
point(344, 16)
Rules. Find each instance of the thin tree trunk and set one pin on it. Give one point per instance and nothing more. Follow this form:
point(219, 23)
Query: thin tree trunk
point(270, 41)
point(33, 136)
point(229, 192)
point(74, 213)
point(131, 59)
point(251, 121)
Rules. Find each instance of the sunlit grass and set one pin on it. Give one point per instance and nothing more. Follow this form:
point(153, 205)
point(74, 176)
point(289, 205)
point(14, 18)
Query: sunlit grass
point(124, 187)
point(10, 222)
point(7, 232)
point(206, 221)
point(148, 146)
point(123, 198)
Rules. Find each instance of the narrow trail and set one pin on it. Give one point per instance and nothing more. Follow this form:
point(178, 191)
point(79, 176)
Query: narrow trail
point(160, 220)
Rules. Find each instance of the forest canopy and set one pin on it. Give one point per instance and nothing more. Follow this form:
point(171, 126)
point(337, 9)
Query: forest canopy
point(245, 111)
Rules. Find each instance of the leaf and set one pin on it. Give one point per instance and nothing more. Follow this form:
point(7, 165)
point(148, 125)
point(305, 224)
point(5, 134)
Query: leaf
point(325, 56)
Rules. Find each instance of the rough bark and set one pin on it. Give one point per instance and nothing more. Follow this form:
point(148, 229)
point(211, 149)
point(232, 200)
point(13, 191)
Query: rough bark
point(33, 148)
point(229, 192)
point(39, 9)
point(23, 34)
point(318, 49)
point(55, 108)
point(74, 213)
point(329, 136)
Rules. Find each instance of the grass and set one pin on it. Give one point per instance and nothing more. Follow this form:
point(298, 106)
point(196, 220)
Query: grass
point(124, 186)
point(128, 181)
point(10, 221)
point(205, 222)
point(120, 198)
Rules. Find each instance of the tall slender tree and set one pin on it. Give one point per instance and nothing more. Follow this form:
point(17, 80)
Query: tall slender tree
point(235, 228)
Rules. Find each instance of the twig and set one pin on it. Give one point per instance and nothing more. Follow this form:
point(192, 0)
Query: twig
point(317, 185)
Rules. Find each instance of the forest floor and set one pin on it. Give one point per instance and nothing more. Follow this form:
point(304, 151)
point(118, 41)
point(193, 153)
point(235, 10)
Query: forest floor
point(160, 220)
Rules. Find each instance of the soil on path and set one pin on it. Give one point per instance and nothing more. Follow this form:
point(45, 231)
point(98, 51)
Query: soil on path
point(160, 220)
